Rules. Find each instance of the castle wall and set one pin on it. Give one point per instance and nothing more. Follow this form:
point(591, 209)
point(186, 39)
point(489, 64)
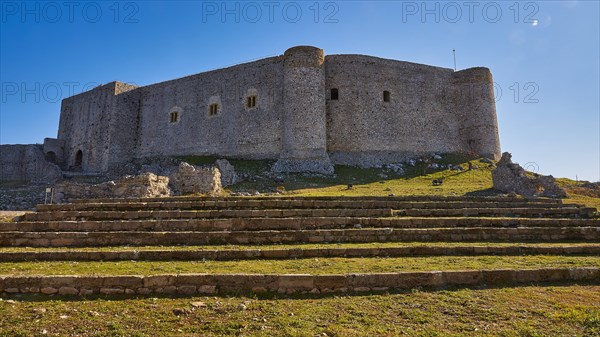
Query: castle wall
point(365, 130)
point(84, 124)
point(124, 125)
point(236, 131)
point(422, 116)
point(292, 118)
point(26, 163)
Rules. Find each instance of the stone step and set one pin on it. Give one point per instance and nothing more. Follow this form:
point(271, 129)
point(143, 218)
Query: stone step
point(254, 224)
point(563, 212)
point(363, 235)
point(202, 214)
point(441, 198)
point(293, 204)
point(297, 252)
point(205, 284)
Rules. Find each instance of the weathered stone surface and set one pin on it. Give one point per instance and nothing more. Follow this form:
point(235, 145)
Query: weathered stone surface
point(112, 291)
point(141, 186)
point(510, 177)
point(228, 174)
point(48, 290)
point(189, 179)
point(156, 281)
point(68, 291)
point(300, 283)
point(207, 289)
point(296, 281)
point(85, 292)
point(463, 277)
point(302, 121)
point(27, 163)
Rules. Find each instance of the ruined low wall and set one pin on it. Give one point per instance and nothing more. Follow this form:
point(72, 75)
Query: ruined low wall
point(26, 163)
point(144, 185)
point(91, 239)
point(286, 254)
point(190, 284)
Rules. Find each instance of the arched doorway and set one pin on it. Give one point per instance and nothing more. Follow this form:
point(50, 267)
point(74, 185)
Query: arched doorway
point(78, 161)
point(51, 157)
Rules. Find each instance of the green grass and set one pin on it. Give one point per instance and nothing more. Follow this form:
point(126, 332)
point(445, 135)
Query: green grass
point(376, 182)
point(523, 311)
point(299, 246)
point(299, 266)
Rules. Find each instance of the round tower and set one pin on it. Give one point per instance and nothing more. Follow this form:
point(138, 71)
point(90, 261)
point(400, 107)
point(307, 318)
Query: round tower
point(477, 106)
point(304, 119)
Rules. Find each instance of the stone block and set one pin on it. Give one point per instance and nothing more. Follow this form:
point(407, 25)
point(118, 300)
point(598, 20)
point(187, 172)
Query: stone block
point(112, 291)
point(68, 291)
point(143, 291)
point(504, 276)
point(463, 277)
point(166, 290)
point(207, 289)
point(296, 281)
point(158, 281)
point(48, 290)
point(330, 281)
point(186, 290)
point(85, 291)
point(581, 274)
point(529, 276)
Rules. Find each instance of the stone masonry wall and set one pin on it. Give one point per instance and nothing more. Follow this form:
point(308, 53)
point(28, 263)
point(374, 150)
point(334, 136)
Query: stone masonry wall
point(190, 284)
point(26, 163)
point(425, 113)
point(431, 109)
point(87, 122)
point(236, 131)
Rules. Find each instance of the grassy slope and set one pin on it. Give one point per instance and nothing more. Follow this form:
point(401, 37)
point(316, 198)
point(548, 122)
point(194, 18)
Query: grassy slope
point(524, 311)
point(417, 180)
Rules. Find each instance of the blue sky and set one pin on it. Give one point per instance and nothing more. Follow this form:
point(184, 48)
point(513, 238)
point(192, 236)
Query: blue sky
point(544, 56)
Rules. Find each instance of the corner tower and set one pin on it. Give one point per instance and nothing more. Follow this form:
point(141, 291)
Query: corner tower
point(304, 145)
point(476, 105)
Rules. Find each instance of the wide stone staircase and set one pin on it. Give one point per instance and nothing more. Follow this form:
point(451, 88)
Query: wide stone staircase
point(231, 229)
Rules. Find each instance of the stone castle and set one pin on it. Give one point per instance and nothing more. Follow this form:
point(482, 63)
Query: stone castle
point(303, 109)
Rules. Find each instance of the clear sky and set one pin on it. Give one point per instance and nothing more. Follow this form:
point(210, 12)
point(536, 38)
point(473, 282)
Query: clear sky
point(544, 56)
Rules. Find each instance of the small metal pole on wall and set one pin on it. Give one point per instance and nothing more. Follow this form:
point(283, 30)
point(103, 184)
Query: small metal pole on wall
point(454, 53)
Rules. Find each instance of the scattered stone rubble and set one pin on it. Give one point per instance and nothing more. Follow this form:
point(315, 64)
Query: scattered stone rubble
point(228, 175)
point(140, 186)
point(189, 179)
point(509, 177)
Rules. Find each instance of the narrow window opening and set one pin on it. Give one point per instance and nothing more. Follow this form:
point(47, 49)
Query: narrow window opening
point(386, 96)
point(251, 102)
point(334, 94)
point(173, 117)
point(78, 161)
point(213, 109)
